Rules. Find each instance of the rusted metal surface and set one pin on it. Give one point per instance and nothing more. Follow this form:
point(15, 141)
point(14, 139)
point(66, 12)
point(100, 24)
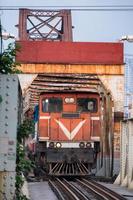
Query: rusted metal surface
point(76, 82)
point(60, 82)
point(115, 84)
point(84, 69)
point(48, 25)
point(118, 116)
point(70, 52)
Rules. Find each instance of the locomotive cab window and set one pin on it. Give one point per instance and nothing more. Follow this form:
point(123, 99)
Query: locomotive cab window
point(86, 105)
point(52, 105)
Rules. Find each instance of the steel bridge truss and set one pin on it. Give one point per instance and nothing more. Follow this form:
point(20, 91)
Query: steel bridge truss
point(48, 25)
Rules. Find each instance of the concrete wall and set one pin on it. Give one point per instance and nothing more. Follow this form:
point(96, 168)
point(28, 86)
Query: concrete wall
point(125, 177)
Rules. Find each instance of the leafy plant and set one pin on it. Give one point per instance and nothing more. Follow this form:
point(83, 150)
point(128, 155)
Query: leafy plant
point(1, 99)
point(26, 128)
point(8, 65)
point(23, 164)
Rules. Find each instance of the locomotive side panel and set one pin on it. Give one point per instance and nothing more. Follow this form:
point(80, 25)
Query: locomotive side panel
point(44, 128)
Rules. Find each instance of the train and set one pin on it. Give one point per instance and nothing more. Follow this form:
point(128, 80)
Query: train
point(68, 132)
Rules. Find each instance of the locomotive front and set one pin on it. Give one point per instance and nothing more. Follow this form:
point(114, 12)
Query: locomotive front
point(69, 132)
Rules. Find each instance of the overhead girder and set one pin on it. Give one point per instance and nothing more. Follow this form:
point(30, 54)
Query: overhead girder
point(48, 25)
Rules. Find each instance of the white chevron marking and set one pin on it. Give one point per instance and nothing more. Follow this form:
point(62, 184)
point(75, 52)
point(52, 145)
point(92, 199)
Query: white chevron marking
point(72, 134)
point(77, 128)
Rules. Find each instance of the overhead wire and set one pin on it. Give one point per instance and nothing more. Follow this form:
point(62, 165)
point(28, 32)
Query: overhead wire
point(75, 8)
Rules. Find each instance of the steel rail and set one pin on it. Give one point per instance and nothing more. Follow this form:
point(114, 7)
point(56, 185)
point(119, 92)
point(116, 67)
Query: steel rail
point(118, 196)
point(66, 190)
point(76, 190)
point(100, 190)
point(92, 189)
point(56, 190)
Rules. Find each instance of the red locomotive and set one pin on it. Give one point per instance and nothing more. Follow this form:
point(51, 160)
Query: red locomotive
point(69, 132)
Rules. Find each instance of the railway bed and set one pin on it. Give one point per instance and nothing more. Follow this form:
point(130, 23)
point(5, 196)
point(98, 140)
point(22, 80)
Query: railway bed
point(41, 190)
point(88, 190)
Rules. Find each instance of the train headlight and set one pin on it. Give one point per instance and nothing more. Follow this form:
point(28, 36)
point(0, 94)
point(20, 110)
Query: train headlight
point(69, 100)
point(58, 145)
point(88, 145)
point(51, 144)
point(81, 144)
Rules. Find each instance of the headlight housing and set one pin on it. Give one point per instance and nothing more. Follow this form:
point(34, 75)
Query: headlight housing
point(58, 144)
point(81, 144)
point(88, 145)
point(51, 144)
point(69, 100)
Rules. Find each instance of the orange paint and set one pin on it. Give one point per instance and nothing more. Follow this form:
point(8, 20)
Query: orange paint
point(69, 124)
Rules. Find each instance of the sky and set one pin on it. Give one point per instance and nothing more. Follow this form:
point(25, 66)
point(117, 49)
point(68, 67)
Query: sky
point(89, 25)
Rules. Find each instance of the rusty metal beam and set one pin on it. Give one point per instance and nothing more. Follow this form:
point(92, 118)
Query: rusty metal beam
point(46, 25)
point(78, 76)
point(78, 85)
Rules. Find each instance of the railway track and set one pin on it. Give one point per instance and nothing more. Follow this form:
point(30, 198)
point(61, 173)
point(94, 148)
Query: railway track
point(65, 190)
point(82, 189)
point(100, 190)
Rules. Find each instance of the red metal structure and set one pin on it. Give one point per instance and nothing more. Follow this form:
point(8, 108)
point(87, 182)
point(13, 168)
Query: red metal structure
point(70, 52)
point(48, 25)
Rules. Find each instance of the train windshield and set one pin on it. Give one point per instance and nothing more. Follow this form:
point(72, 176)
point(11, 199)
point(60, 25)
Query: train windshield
point(52, 105)
point(86, 105)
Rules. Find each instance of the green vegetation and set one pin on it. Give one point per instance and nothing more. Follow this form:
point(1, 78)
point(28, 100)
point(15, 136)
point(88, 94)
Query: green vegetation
point(1, 99)
point(8, 65)
point(24, 165)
